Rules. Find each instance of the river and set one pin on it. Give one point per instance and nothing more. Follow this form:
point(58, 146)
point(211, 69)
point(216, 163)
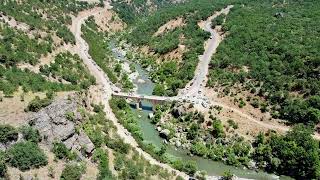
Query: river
point(150, 134)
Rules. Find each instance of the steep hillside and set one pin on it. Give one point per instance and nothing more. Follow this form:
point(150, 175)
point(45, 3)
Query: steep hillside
point(131, 11)
point(272, 50)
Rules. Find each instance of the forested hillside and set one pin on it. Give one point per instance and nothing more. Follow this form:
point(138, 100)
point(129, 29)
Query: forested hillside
point(131, 11)
point(171, 75)
point(44, 30)
point(273, 50)
point(45, 15)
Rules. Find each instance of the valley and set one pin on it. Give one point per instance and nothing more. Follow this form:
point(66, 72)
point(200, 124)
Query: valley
point(167, 90)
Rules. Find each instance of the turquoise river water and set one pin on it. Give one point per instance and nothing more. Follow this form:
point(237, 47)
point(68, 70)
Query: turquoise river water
point(150, 134)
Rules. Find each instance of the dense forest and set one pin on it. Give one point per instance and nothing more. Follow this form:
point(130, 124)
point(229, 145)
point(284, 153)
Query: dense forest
point(273, 50)
point(131, 11)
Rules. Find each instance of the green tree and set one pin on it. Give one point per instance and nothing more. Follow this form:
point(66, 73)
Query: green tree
point(30, 134)
point(8, 133)
point(72, 172)
point(3, 167)
point(26, 155)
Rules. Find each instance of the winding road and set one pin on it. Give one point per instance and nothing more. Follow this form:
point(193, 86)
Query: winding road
point(108, 87)
point(192, 92)
point(195, 86)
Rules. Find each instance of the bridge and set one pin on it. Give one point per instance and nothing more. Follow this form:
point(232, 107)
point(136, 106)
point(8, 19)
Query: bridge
point(154, 100)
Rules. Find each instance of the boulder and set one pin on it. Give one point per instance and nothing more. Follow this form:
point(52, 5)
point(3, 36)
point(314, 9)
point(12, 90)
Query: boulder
point(150, 115)
point(178, 111)
point(71, 141)
point(141, 81)
point(63, 131)
point(178, 143)
point(165, 133)
point(26, 177)
point(2, 147)
point(85, 142)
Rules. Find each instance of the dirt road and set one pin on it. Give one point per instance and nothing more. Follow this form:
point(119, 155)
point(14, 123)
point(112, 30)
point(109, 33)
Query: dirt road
point(199, 80)
point(108, 87)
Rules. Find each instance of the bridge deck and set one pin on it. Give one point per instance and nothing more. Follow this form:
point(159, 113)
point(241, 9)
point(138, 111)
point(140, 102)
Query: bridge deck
point(144, 97)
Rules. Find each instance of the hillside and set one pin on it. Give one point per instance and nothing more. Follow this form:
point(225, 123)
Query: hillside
point(159, 89)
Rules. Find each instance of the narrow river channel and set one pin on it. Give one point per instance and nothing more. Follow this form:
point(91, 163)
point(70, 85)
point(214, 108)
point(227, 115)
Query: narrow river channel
point(150, 134)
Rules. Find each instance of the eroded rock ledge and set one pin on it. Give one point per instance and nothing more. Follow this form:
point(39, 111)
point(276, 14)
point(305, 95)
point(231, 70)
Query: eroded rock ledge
point(57, 123)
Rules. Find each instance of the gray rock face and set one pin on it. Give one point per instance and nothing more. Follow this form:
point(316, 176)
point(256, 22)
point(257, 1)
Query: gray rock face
point(85, 142)
point(53, 125)
point(52, 122)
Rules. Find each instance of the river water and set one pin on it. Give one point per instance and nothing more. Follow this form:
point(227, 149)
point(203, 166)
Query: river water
point(150, 134)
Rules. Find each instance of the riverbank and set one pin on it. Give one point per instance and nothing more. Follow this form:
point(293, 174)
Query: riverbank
point(108, 87)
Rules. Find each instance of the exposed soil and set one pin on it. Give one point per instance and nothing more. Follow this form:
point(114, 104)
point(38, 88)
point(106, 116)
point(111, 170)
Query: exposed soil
point(170, 25)
point(12, 108)
point(250, 120)
point(108, 21)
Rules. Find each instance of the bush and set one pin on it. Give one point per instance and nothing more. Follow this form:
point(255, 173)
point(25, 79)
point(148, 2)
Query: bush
point(102, 157)
point(26, 155)
point(62, 152)
point(72, 172)
point(30, 134)
point(36, 104)
point(190, 167)
point(3, 167)
point(227, 175)
point(118, 145)
point(8, 133)
point(217, 129)
point(233, 124)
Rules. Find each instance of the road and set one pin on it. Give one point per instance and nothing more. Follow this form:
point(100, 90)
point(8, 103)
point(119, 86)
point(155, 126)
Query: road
point(108, 87)
point(195, 86)
point(193, 90)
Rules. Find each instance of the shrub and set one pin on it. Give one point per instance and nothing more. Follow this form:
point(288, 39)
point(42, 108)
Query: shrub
point(227, 175)
point(70, 116)
point(72, 172)
point(8, 133)
point(30, 134)
point(217, 129)
point(3, 167)
point(26, 155)
point(199, 149)
point(118, 145)
point(97, 108)
point(62, 152)
point(190, 167)
point(102, 157)
point(233, 124)
point(36, 104)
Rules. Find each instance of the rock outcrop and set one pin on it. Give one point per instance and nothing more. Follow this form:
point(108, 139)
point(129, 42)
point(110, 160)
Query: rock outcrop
point(54, 124)
point(178, 111)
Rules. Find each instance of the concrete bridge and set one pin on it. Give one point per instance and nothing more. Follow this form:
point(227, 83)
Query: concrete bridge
point(154, 100)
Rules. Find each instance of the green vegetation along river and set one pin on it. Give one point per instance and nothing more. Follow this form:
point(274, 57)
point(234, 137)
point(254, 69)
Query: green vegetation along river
point(150, 134)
